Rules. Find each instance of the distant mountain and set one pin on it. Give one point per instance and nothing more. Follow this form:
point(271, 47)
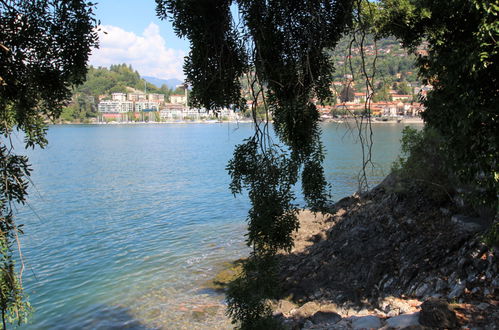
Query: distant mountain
point(171, 83)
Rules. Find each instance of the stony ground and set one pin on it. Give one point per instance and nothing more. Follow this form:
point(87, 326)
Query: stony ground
point(390, 260)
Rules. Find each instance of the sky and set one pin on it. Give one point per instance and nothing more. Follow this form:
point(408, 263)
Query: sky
point(132, 34)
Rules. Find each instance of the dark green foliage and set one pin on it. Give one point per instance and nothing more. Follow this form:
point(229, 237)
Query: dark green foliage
point(462, 67)
point(272, 217)
point(217, 58)
point(248, 294)
point(44, 47)
point(491, 238)
point(424, 164)
point(392, 63)
point(14, 173)
point(283, 44)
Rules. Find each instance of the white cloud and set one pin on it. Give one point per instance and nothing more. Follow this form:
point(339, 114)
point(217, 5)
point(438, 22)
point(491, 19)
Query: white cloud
point(148, 54)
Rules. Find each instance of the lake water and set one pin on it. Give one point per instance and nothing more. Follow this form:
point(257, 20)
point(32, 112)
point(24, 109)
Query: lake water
point(125, 224)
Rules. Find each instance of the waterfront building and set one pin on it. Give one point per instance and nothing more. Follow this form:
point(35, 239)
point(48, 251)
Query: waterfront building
point(171, 112)
point(110, 106)
point(115, 106)
point(146, 105)
point(127, 106)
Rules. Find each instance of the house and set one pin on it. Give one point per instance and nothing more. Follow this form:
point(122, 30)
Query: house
point(359, 97)
point(178, 99)
point(160, 98)
point(134, 97)
point(118, 97)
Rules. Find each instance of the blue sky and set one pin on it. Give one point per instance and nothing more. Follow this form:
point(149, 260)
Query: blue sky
point(134, 35)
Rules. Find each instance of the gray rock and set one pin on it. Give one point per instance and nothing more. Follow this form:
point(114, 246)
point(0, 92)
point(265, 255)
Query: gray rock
point(330, 308)
point(366, 322)
point(308, 324)
point(325, 318)
point(394, 312)
point(457, 290)
point(403, 321)
point(342, 325)
point(452, 278)
point(421, 290)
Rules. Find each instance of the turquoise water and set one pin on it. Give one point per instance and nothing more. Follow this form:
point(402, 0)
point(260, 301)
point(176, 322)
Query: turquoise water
point(126, 223)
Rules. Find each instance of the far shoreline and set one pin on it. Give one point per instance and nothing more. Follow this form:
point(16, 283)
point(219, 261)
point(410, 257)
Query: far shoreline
point(408, 120)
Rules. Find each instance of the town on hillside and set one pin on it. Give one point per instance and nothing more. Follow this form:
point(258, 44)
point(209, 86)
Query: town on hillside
point(120, 94)
point(152, 107)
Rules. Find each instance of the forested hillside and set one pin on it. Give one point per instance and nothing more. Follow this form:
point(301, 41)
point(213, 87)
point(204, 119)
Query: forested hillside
point(100, 83)
point(393, 66)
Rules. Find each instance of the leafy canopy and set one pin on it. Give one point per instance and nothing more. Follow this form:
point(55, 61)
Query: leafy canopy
point(44, 47)
point(461, 65)
point(280, 46)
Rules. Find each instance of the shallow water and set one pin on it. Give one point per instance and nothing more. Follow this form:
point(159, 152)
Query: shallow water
point(126, 223)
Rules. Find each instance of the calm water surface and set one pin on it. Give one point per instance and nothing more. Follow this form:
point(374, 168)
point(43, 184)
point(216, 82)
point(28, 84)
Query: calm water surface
point(125, 224)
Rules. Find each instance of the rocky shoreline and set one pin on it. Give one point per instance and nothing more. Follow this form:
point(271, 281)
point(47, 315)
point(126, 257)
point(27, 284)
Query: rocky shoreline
point(389, 260)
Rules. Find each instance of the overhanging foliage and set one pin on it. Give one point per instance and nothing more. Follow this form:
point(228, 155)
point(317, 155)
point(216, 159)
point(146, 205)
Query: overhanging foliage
point(44, 48)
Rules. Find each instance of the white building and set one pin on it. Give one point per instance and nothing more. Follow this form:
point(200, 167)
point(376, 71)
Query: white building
point(156, 98)
point(178, 99)
point(110, 106)
point(126, 106)
point(172, 112)
point(118, 97)
point(136, 97)
point(146, 105)
point(115, 106)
